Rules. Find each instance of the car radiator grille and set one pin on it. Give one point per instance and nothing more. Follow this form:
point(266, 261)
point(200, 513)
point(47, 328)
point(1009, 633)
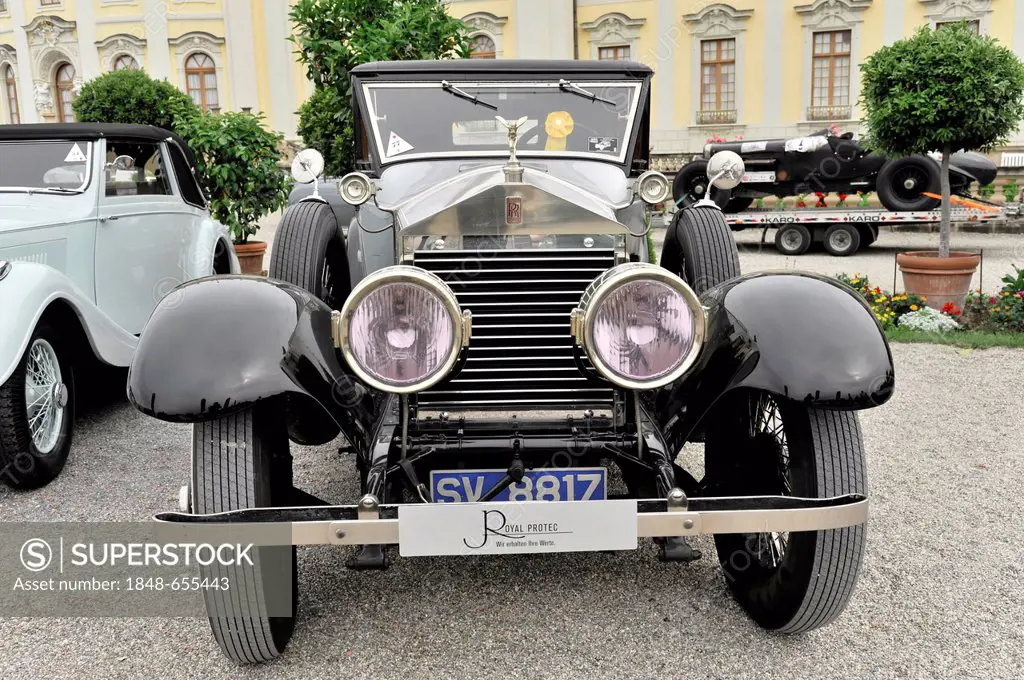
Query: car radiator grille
point(521, 352)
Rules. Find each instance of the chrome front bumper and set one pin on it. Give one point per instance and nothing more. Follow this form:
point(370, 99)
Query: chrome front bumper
point(368, 523)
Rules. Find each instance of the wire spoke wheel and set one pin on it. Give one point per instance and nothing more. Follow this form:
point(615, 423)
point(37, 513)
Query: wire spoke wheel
point(46, 395)
point(761, 444)
point(767, 430)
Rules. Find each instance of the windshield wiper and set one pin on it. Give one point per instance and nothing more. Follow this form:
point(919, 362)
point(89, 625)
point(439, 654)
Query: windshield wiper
point(565, 86)
point(462, 94)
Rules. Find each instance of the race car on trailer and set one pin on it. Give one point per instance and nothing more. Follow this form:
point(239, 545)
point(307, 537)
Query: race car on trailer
point(511, 372)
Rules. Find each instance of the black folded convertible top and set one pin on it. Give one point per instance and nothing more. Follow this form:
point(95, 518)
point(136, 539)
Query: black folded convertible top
point(505, 68)
point(86, 131)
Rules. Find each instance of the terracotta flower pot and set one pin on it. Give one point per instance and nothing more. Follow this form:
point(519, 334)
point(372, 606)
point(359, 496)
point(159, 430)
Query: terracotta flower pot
point(939, 279)
point(250, 256)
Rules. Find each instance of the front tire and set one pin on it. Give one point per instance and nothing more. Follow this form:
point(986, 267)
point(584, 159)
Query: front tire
point(701, 249)
point(309, 252)
point(37, 412)
point(763, 445)
point(242, 461)
point(902, 182)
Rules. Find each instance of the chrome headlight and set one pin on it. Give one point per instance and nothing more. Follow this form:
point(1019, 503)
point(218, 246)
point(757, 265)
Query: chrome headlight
point(401, 329)
point(355, 188)
point(653, 187)
point(641, 325)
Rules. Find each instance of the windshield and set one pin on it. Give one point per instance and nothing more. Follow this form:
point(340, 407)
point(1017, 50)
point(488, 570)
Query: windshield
point(412, 120)
point(58, 166)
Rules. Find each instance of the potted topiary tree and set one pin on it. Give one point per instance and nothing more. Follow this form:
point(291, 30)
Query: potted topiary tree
point(237, 164)
point(942, 90)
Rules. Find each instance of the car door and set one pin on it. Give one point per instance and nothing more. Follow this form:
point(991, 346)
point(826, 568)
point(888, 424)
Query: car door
point(142, 233)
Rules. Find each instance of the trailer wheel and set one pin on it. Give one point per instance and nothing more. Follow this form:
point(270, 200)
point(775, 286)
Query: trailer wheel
point(841, 240)
point(242, 461)
point(759, 444)
point(793, 239)
point(868, 235)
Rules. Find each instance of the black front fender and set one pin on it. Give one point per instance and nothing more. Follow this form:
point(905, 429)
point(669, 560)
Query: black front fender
point(221, 344)
point(799, 336)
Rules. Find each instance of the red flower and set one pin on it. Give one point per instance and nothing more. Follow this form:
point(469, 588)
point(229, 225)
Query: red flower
point(992, 300)
point(951, 309)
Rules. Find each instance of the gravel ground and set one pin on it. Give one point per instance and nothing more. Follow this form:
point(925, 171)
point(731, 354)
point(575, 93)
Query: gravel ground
point(939, 595)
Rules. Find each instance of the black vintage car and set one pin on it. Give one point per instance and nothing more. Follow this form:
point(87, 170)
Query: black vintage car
point(513, 374)
point(826, 162)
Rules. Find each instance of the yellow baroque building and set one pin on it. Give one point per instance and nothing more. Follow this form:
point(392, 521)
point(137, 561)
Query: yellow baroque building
point(747, 68)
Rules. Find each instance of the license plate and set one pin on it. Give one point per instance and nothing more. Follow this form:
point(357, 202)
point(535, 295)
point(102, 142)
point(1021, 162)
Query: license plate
point(557, 484)
point(757, 177)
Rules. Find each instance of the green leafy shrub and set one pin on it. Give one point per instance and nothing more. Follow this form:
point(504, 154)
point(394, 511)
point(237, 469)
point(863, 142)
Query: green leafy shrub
point(236, 158)
point(944, 90)
point(987, 190)
point(1011, 190)
point(133, 97)
point(334, 36)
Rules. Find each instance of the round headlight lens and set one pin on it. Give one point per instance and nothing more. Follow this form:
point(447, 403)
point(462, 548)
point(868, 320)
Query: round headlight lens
point(653, 187)
point(355, 188)
point(643, 326)
point(401, 330)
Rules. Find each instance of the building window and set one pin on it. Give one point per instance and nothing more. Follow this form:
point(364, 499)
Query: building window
point(718, 81)
point(3, 6)
point(201, 78)
point(830, 83)
point(65, 82)
point(126, 62)
point(974, 25)
point(482, 47)
point(617, 53)
point(49, 3)
point(11, 92)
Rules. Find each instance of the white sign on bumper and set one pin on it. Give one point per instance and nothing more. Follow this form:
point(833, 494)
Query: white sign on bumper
point(507, 528)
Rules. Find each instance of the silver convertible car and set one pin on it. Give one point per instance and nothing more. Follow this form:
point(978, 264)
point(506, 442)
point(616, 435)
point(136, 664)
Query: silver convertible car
point(513, 373)
point(97, 223)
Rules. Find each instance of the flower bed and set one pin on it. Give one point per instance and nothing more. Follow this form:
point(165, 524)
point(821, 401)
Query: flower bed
point(1002, 312)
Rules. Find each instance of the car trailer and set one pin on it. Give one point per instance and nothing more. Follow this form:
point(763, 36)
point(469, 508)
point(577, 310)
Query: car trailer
point(843, 231)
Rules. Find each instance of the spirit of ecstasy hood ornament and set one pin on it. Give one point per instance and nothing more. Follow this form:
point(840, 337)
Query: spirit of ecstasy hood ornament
point(513, 171)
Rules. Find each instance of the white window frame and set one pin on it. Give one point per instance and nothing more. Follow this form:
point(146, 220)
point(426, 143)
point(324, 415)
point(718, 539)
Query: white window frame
point(118, 45)
point(950, 11)
point(831, 15)
point(188, 44)
point(614, 29)
point(717, 21)
point(491, 25)
point(8, 58)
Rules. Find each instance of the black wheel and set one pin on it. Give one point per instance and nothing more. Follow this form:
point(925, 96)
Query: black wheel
point(699, 247)
point(691, 184)
point(868, 235)
point(841, 240)
point(309, 252)
point(738, 204)
point(242, 461)
point(761, 445)
point(902, 183)
point(37, 412)
point(792, 239)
